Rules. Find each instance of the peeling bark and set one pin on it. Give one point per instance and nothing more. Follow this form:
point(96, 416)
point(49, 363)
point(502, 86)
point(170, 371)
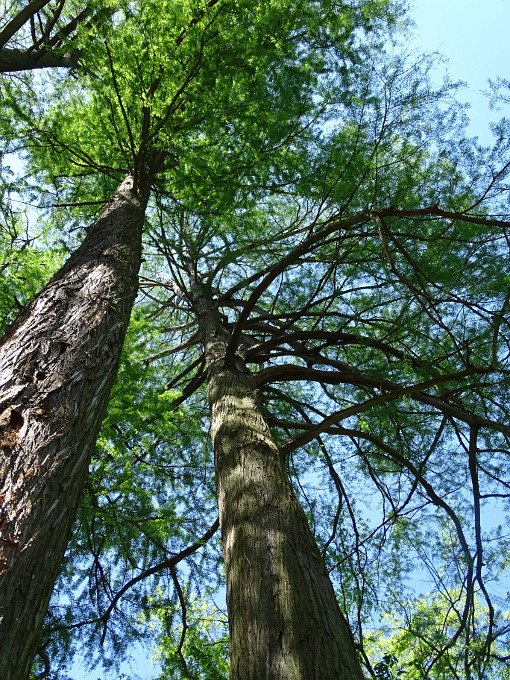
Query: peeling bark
point(285, 623)
point(57, 365)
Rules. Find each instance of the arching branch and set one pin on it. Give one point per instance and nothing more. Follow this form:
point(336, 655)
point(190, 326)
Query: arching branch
point(330, 227)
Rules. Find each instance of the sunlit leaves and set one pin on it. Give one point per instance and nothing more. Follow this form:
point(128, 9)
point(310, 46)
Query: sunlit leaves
point(204, 652)
point(408, 642)
point(26, 265)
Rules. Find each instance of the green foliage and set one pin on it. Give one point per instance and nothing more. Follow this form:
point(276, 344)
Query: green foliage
point(407, 644)
point(204, 653)
point(176, 76)
point(26, 264)
point(281, 122)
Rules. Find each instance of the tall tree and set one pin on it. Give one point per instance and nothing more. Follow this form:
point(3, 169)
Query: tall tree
point(391, 392)
point(284, 619)
point(189, 92)
point(58, 363)
point(351, 325)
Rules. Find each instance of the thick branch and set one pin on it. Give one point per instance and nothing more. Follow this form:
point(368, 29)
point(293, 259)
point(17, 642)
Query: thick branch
point(395, 392)
point(21, 60)
point(335, 339)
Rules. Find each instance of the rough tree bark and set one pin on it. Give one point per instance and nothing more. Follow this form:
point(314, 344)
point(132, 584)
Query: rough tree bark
point(57, 365)
point(285, 623)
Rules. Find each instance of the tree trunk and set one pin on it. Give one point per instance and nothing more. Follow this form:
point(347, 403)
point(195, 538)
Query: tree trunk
point(57, 365)
point(285, 623)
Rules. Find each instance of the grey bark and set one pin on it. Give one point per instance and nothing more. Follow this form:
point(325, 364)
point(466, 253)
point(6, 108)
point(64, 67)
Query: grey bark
point(57, 366)
point(285, 622)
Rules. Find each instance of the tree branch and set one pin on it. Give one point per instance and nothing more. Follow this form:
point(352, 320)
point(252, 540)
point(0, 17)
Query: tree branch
point(20, 19)
point(333, 225)
point(12, 60)
point(395, 392)
point(166, 564)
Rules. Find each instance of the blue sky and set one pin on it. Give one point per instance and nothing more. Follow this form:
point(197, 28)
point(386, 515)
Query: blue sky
point(473, 36)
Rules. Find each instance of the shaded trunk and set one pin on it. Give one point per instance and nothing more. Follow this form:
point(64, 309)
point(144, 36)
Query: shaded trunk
point(285, 623)
point(57, 366)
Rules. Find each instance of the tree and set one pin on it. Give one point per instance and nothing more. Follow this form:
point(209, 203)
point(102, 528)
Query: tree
point(295, 266)
point(283, 615)
point(59, 361)
point(272, 328)
point(74, 331)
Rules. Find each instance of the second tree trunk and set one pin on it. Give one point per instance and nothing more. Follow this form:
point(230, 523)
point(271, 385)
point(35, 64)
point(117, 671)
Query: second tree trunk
point(285, 623)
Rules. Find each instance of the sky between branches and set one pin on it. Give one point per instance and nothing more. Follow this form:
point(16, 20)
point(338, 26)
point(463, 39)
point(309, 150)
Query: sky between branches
point(473, 37)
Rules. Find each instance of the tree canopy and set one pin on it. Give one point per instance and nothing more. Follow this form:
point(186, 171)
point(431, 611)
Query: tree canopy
point(315, 192)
